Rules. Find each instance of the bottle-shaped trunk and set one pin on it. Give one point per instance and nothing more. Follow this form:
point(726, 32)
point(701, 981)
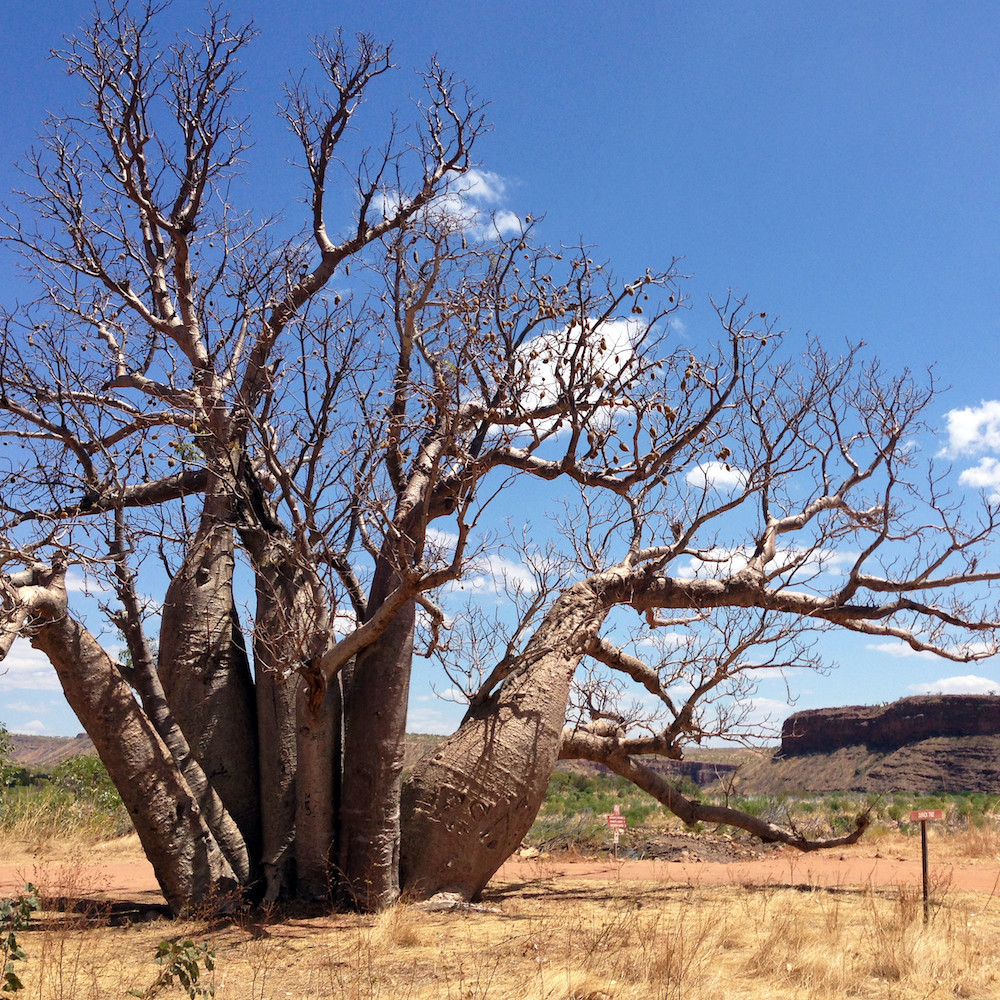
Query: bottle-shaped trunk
point(205, 673)
point(467, 806)
point(374, 740)
point(318, 753)
point(187, 860)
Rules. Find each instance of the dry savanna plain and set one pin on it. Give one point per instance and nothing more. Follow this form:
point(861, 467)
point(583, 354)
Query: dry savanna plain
point(560, 925)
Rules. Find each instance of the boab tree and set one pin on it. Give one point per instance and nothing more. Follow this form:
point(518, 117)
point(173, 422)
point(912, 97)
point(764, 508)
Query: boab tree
point(794, 499)
point(195, 391)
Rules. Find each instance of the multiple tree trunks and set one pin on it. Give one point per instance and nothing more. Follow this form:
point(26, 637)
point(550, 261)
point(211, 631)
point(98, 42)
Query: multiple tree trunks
point(189, 865)
point(319, 717)
point(374, 739)
point(327, 427)
point(205, 672)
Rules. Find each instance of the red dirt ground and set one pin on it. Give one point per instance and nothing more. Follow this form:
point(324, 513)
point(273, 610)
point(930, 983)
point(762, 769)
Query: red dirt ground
point(131, 877)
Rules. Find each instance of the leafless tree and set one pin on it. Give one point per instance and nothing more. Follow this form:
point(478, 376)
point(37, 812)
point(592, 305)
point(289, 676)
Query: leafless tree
point(194, 392)
point(794, 499)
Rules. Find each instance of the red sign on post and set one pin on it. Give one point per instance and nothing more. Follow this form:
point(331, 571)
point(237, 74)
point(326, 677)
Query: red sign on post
point(921, 816)
point(616, 820)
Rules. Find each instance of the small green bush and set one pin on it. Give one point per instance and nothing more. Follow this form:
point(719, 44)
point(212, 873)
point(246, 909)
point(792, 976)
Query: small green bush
point(15, 914)
point(88, 780)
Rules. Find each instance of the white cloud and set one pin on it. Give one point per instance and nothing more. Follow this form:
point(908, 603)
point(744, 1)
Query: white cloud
point(345, 621)
point(666, 641)
point(25, 708)
point(717, 476)
point(481, 185)
point(446, 540)
point(766, 710)
point(984, 476)
point(489, 573)
point(506, 223)
point(597, 359)
point(431, 720)
point(79, 583)
point(493, 574)
point(765, 673)
point(967, 684)
point(714, 563)
point(34, 728)
point(468, 203)
point(27, 669)
point(974, 429)
point(900, 650)
point(726, 562)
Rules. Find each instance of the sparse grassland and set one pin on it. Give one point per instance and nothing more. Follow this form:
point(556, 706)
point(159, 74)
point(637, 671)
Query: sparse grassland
point(556, 939)
point(74, 805)
point(540, 935)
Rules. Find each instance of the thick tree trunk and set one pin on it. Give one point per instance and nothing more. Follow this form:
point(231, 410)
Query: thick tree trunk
point(317, 784)
point(290, 634)
point(467, 807)
point(227, 833)
point(187, 860)
point(276, 731)
point(374, 740)
point(205, 673)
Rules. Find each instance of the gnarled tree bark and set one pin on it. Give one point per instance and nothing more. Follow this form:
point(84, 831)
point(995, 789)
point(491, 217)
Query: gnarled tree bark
point(205, 672)
point(467, 807)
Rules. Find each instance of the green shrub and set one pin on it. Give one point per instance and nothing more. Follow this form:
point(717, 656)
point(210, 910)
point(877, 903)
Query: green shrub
point(77, 799)
point(86, 777)
point(15, 914)
point(7, 766)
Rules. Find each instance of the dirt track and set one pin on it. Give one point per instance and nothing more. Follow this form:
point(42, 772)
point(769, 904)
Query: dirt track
point(782, 869)
point(114, 877)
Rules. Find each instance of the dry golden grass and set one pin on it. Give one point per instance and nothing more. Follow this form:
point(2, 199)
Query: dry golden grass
point(50, 819)
point(559, 940)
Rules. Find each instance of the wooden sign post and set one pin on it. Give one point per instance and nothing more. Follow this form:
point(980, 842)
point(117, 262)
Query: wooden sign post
point(617, 822)
point(921, 816)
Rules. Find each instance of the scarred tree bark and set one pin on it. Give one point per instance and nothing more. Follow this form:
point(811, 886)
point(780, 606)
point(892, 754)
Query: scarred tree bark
point(318, 714)
point(368, 856)
point(205, 673)
point(490, 356)
point(468, 806)
point(276, 657)
point(145, 680)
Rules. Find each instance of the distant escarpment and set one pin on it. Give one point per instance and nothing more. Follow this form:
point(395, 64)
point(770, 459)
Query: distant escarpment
point(888, 727)
point(948, 743)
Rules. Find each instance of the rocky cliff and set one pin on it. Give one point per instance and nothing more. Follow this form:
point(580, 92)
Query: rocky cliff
point(888, 727)
point(947, 743)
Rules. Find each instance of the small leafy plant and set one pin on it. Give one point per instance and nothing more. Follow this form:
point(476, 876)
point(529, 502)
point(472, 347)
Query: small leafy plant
point(181, 961)
point(15, 913)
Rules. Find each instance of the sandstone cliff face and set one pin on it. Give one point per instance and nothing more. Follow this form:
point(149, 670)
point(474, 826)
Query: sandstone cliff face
point(948, 743)
point(889, 727)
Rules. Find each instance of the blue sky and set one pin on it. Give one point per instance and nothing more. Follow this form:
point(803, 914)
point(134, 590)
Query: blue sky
point(835, 162)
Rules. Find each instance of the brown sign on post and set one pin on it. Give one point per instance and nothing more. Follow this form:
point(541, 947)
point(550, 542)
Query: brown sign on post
point(616, 820)
point(921, 816)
